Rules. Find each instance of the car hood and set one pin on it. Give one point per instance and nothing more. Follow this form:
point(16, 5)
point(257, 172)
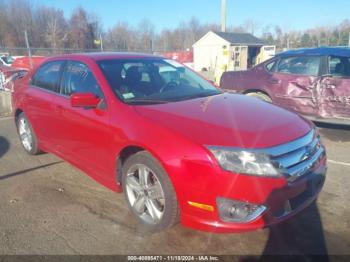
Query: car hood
point(228, 120)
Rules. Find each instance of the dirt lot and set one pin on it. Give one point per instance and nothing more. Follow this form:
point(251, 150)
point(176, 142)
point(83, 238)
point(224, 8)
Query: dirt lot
point(49, 207)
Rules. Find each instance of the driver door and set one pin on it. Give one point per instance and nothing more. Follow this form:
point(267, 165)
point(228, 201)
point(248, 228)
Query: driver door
point(84, 133)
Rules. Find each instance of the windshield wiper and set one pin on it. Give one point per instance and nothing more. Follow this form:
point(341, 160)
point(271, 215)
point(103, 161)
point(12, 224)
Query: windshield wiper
point(137, 101)
point(199, 95)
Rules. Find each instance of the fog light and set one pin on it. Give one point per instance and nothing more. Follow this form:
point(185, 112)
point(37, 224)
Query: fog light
point(238, 212)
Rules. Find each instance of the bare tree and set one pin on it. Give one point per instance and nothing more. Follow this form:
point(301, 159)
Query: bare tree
point(120, 37)
point(251, 26)
point(145, 34)
point(81, 34)
point(20, 20)
point(53, 25)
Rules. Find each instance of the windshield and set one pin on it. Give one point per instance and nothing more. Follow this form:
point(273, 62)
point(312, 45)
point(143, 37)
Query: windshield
point(140, 81)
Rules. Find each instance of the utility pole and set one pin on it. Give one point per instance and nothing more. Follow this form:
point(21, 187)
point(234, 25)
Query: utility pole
point(29, 52)
point(223, 15)
point(101, 42)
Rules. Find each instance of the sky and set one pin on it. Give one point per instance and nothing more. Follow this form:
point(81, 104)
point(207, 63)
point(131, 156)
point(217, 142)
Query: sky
point(289, 15)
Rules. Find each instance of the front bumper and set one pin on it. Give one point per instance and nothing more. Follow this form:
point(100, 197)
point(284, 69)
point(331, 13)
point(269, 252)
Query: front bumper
point(283, 197)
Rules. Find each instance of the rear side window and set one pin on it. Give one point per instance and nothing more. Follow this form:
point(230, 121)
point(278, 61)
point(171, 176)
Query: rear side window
point(78, 78)
point(300, 65)
point(339, 66)
point(48, 75)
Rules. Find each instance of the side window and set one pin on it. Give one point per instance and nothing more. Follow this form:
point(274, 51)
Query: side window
point(339, 66)
point(299, 65)
point(48, 75)
point(78, 78)
point(270, 66)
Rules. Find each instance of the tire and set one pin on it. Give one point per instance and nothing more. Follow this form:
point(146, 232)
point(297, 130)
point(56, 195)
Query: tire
point(151, 197)
point(261, 96)
point(27, 136)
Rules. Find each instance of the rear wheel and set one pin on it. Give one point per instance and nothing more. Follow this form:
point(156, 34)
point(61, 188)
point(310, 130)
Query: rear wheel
point(27, 136)
point(149, 192)
point(261, 96)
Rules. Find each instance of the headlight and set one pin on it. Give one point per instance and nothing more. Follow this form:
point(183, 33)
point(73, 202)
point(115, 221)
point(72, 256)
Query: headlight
point(245, 162)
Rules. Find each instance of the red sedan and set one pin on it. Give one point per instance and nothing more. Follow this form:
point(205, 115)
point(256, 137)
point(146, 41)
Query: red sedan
point(178, 147)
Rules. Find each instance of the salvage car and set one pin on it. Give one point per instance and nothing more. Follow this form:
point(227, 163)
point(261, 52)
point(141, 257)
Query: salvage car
point(314, 82)
point(178, 147)
point(6, 60)
point(8, 75)
point(26, 63)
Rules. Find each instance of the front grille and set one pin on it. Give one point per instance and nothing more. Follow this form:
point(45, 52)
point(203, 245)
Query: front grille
point(301, 156)
point(297, 158)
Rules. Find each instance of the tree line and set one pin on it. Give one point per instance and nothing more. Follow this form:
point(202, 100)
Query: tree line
point(47, 27)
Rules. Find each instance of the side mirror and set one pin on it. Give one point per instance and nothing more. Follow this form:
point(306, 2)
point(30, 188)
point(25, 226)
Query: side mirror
point(84, 100)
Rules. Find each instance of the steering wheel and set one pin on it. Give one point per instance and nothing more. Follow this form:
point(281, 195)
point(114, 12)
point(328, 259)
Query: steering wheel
point(172, 84)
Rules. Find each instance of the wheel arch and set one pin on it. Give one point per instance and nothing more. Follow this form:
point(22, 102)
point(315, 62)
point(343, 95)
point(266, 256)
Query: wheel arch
point(18, 112)
point(256, 91)
point(126, 152)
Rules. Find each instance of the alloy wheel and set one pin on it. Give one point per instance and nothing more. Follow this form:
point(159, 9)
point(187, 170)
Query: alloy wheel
point(25, 134)
point(145, 193)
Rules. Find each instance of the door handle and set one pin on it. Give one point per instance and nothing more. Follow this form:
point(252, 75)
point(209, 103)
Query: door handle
point(274, 81)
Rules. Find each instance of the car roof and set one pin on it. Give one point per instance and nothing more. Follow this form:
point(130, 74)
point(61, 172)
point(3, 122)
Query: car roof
point(107, 55)
point(320, 51)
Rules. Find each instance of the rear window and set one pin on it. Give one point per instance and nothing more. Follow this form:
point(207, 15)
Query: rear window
point(300, 65)
point(47, 76)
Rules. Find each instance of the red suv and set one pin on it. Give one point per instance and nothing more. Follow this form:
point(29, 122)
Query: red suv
point(177, 146)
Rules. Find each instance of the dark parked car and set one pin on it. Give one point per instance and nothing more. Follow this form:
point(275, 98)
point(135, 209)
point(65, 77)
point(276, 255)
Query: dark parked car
point(314, 82)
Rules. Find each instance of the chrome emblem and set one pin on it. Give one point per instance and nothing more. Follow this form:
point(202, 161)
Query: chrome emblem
point(309, 150)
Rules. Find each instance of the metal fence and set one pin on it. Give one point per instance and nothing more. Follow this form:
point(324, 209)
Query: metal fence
point(23, 51)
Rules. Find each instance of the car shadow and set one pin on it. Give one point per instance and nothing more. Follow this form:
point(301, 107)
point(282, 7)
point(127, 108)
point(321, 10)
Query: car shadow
point(301, 235)
point(300, 238)
point(28, 170)
point(4, 146)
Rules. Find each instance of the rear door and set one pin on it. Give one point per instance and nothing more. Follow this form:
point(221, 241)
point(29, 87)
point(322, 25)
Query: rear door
point(292, 83)
point(334, 92)
point(39, 101)
point(84, 133)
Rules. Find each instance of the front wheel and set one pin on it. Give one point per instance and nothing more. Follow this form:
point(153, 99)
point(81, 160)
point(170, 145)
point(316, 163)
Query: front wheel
point(149, 192)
